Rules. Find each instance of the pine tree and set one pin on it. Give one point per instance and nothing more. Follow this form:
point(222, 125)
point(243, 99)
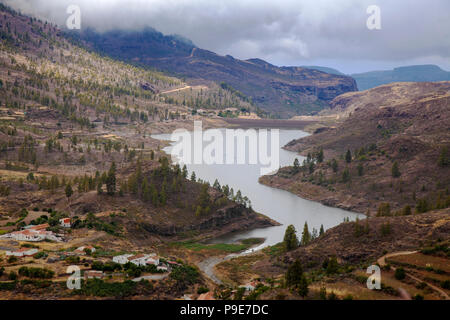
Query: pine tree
point(320, 156)
point(332, 266)
point(395, 170)
point(198, 211)
point(154, 194)
point(334, 165)
point(306, 236)
point(290, 240)
point(322, 231)
point(443, 157)
point(303, 286)
point(384, 210)
point(216, 185)
point(296, 165)
point(348, 156)
point(99, 187)
point(146, 196)
point(346, 175)
point(193, 177)
point(111, 180)
point(360, 169)
point(163, 193)
point(69, 191)
point(294, 274)
point(204, 199)
point(184, 172)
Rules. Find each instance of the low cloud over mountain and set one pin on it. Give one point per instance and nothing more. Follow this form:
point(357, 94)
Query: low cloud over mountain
point(285, 32)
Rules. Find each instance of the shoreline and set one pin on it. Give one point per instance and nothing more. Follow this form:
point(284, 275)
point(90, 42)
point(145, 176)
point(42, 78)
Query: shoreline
point(317, 194)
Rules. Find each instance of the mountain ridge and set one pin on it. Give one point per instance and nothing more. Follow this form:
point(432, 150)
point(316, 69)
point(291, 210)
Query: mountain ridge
point(283, 91)
point(413, 73)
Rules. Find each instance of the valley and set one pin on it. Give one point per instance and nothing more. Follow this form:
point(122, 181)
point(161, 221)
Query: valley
point(87, 183)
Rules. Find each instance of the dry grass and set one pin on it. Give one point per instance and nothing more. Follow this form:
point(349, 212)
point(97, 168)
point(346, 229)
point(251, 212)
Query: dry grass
point(423, 261)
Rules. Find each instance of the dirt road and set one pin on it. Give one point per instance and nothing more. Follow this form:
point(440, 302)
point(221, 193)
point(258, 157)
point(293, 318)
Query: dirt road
point(382, 262)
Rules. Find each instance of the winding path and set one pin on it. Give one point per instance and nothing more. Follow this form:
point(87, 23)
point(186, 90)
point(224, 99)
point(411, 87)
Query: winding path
point(382, 262)
point(175, 90)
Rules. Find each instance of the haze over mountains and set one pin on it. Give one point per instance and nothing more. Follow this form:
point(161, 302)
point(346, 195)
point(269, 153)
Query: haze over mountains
point(372, 79)
point(281, 91)
point(420, 73)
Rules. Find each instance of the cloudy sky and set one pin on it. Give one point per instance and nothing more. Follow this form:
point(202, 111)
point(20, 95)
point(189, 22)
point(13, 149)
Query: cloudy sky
point(330, 33)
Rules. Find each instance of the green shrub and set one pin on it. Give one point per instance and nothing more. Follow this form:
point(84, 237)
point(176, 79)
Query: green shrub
point(185, 274)
point(445, 284)
point(41, 255)
point(12, 276)
point(12, 259)
point(201, 290)
point(100, 288)
point(400, 273)
point(39, 273)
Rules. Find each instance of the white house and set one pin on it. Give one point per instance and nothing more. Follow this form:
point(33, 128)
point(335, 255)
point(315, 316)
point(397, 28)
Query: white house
point(65, 222)
point(122, 259)
point(26, 235)
point(139, 260)
point(24, 252)
point(93, 274)
point(153, 260)
point(162, 268)
point(250, 286)
point(33, 234)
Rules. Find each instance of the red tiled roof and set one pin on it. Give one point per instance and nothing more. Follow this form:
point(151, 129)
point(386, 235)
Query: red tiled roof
point(25, 232)
point(138, 256)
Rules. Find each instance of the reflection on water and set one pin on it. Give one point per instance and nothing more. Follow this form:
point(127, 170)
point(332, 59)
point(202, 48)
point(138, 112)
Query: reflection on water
point(279, 205)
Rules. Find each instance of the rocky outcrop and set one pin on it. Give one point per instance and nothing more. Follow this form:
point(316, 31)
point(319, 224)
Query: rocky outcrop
point(229, 219)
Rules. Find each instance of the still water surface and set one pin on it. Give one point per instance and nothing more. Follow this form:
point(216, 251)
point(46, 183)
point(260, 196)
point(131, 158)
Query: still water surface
point(280, 205)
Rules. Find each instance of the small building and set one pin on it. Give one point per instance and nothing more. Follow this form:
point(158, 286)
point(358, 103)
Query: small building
point(93, 274)
point(250, 286)
point(65, 222)
point(24, 252)
point(153, 260)
point(26, 235)
point(122, 259)
point(162, 268)
point(139, 260)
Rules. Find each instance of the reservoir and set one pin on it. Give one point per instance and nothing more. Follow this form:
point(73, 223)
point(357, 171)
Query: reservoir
point(279, 205)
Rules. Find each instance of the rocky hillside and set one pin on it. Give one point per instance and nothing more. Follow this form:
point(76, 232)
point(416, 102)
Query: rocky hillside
point(67, 114)
point(392, 147)
point(366, 241)
point(282, 91)
point(411, 251)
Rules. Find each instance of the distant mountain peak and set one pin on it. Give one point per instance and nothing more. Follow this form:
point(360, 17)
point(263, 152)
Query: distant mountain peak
point(282, 91)
point(423, 67)
point(415, 73)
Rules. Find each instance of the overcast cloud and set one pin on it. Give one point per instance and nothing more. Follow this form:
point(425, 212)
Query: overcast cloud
point(284, 32)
